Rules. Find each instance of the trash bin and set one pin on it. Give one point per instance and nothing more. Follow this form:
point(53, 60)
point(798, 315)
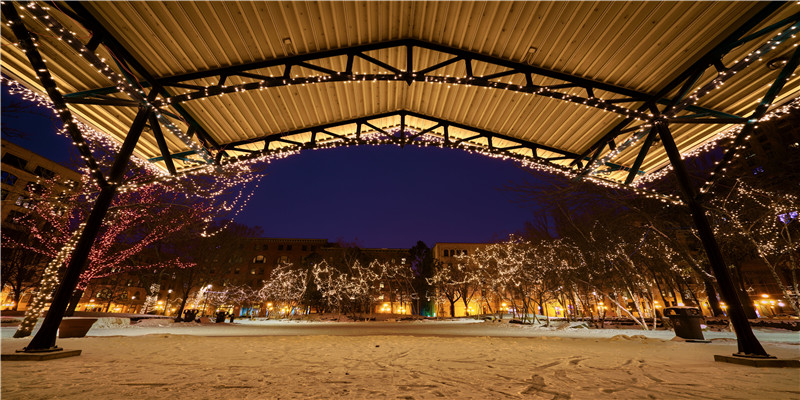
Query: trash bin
point(686, 321)
point(220, 317)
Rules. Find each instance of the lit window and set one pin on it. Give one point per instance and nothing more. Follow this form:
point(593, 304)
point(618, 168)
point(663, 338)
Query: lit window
point(23, 201)
point(259, 260)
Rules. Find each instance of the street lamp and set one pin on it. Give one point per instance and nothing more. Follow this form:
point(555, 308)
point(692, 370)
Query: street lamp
point(166, 302)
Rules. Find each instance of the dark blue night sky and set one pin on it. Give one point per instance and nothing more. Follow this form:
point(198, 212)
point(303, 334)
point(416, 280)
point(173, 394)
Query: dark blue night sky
point(374, 196)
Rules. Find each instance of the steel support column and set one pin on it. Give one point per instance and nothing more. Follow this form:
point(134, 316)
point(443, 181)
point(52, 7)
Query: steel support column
point(749, 346)
point(43, 73)
point(45, 339)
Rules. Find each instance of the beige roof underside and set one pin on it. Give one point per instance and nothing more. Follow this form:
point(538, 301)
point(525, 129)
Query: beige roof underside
point(637, 45)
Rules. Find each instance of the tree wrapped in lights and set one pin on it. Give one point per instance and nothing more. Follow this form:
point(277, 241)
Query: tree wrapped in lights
point(210, 254)
point(446, 279)
point(55, 213)
point(285, 287)
point(47, 285)
point(396, 279)
point(228, 298)
point(766, 222)
point(21, 267)
point(343, 291)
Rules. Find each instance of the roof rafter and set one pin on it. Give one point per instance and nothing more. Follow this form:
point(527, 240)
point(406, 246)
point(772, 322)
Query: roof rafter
point(101, 35)
point(687, 80)
point(542, 153)
point(409, 73)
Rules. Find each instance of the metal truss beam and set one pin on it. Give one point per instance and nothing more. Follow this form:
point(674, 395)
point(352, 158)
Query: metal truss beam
point(101, 35)
point(319, 135)
point(28, 46)
point(688, 78)
point(162, 144)
point(725, 73)
point(407, 73)
point(763, 106)
point(123, 81)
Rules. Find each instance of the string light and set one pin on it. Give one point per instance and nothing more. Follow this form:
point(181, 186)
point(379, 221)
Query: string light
point(47, 285)
point(121, 81)
point(718, 140)
point(716, 83)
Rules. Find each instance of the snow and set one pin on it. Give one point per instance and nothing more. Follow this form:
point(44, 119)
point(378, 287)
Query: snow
point(421, 359)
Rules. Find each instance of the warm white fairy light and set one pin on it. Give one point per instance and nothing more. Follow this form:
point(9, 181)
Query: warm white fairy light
point(95, 137)
point(230, 179)
point(286, 286)
point(716, 83)
point(124, 85)
point(764, 220)
point(47, 285)
point(719, 140)
point(120, 80)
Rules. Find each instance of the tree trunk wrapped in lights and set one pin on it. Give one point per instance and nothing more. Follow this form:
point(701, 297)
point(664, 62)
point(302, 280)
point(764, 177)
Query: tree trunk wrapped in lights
point(46, 286)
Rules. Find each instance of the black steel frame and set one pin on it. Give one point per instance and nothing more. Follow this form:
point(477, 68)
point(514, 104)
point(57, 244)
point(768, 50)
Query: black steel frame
point(320, 135)
point(688, 79)
point(150, 110)
point(406, 73)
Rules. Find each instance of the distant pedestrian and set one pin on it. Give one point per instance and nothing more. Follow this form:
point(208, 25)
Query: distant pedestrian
point(231, 315)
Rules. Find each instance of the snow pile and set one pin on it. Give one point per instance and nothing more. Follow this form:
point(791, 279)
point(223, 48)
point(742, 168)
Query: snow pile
point(154, 322)
point(111, 323)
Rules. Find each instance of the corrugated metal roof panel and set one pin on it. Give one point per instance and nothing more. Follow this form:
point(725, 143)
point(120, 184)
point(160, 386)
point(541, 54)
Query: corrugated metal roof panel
point(635, 45)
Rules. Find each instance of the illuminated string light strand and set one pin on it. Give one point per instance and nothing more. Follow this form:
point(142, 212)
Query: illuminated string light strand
point(718, 140)
point(121, 82)
point(94, 136)
point(47, 285)
point(716, 83)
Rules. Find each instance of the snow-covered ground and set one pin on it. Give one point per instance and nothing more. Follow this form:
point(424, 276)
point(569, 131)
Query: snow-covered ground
point(425, 359)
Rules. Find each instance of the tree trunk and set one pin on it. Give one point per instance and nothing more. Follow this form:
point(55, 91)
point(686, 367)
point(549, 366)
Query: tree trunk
point(183, 304)
point(713, 301)
point(73, 302)
point(17, 297)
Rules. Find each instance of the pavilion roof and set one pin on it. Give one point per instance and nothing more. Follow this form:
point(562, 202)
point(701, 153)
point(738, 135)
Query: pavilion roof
point(625, 53)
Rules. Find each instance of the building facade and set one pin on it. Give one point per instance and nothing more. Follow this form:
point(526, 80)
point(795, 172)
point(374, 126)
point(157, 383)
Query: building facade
point(23, 173)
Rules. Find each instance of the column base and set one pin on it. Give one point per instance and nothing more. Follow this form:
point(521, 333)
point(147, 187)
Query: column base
point(23, 355)
point(758, 361)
